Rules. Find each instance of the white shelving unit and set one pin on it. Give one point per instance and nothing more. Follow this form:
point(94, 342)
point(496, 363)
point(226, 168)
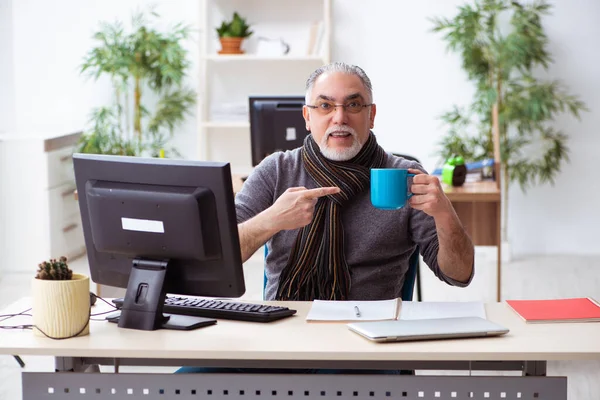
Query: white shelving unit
point(226, 81)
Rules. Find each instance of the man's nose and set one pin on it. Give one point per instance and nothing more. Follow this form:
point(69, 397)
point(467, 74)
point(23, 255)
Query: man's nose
point(340, 115)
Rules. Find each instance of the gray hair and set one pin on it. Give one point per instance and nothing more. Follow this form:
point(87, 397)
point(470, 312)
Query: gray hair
point(339, 67)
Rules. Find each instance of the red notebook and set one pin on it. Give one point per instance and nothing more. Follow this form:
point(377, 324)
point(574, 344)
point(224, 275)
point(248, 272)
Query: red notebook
point(559, 310)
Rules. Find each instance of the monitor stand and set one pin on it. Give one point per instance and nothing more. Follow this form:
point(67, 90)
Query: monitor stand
point(144, 299)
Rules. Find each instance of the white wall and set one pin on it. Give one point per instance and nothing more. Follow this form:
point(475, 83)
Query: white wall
point(415, 80)
point(7, 89)
point(50, 40)
point(565, 218)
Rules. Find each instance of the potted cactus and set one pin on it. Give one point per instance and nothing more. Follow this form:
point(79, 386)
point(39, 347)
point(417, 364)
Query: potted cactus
point(61, 301)
point(232, 33)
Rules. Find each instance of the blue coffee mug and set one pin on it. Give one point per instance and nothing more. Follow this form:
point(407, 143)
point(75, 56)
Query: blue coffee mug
point(389, 188)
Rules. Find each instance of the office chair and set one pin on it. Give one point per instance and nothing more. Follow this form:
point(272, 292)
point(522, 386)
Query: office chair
point(410, 158)
point(417, 277)
point(406, 293)
point(408, 286)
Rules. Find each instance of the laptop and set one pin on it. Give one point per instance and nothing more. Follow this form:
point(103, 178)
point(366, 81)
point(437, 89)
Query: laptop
point(427, 329)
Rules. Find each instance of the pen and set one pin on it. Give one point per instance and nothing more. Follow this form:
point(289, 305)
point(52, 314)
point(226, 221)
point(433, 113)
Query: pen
point(357, 311)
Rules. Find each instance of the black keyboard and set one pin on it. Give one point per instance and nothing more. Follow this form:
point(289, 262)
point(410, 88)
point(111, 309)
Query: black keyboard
point(221, 309)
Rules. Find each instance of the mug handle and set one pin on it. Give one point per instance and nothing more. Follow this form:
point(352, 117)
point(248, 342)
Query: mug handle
point(409, 194)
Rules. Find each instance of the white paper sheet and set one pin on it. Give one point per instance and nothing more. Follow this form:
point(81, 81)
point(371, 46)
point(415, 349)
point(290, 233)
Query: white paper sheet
point(324, 310)
point(445, 309)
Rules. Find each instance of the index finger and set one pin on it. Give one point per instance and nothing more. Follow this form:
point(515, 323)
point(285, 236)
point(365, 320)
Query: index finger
point(320, 192)
point(420, 176)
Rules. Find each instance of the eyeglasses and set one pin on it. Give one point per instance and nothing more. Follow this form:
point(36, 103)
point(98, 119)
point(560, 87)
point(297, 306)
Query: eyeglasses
point(326, 107)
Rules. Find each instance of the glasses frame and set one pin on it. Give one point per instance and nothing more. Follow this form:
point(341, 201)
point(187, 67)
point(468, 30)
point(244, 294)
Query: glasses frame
point(344, 106)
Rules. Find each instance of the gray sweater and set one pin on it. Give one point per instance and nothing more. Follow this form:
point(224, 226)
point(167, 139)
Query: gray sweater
point(378, 243)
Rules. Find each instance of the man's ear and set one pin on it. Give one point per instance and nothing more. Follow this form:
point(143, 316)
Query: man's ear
point(306, 116)
point(372, 115)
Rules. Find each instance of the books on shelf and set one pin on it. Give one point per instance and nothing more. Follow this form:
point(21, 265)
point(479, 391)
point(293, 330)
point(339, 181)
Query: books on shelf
point(231, 112)
point(583, 309)
point(315, 38)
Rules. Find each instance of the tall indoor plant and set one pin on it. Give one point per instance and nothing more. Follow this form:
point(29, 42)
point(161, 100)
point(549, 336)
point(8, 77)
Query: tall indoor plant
point(501, 43)
point(143, 60)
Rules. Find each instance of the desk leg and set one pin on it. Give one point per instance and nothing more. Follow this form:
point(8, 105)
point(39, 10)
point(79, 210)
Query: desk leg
point(534, 368)
point(482, 221)
point(499, 251)
point(73, 364)
point(20, 361)
point(68, 364)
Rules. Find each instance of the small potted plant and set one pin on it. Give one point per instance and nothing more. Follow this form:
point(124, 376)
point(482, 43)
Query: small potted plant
point(232, 33)
point(61, 301)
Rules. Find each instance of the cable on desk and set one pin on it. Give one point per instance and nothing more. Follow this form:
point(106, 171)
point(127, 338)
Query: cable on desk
point(104, 312)
point(22, 326)
point(107, 302)
point(7, 316)
point(31, 326)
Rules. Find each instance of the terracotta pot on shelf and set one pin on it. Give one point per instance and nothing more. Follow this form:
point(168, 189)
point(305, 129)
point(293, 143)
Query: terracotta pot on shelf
point(231, 45)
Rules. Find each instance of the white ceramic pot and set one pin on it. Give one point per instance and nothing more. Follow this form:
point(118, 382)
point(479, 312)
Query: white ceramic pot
point(61, 309)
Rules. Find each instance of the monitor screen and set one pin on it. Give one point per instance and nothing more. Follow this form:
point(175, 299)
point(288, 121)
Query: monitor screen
point(154, 226)
point(276, 124)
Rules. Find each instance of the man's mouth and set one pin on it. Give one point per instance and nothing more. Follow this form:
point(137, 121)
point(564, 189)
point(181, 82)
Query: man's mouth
point(340, 134)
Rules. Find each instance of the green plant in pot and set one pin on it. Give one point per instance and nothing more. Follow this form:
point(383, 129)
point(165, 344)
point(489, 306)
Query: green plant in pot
point(61, 301)
point(232, 33)
point(502, 44)
point(143, 63)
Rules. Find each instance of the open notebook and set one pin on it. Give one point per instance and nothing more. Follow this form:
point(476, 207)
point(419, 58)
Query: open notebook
point(381, 310)
point(350, 310)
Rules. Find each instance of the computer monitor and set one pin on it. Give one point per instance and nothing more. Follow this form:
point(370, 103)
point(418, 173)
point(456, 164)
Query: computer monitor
point(154, 226)
point(276, 124)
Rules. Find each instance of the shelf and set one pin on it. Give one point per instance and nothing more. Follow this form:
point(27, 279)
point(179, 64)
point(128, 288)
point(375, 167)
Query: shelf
point(255, 57)
point(226, 81)
point(226, 124)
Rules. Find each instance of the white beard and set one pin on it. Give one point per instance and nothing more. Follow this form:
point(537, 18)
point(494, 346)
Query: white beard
point(344, 154)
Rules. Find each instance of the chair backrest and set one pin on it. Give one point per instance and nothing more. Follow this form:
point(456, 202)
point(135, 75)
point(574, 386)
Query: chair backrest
point(408, 288)
point(413, 263)
point(265, 273)
point(411, 158)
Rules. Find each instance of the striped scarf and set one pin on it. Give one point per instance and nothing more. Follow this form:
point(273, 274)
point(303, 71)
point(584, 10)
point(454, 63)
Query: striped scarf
point(317, 267)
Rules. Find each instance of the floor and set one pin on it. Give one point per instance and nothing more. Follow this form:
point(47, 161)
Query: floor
point(530, 277)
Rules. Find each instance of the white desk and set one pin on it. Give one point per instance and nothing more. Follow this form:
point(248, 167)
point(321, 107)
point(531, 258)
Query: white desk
point(294, 343)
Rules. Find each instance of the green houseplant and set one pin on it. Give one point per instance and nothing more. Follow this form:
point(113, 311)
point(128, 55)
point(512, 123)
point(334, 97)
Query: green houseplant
point(501, 43)
point(232, 33)
point(143, 60)
point(61, 301)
